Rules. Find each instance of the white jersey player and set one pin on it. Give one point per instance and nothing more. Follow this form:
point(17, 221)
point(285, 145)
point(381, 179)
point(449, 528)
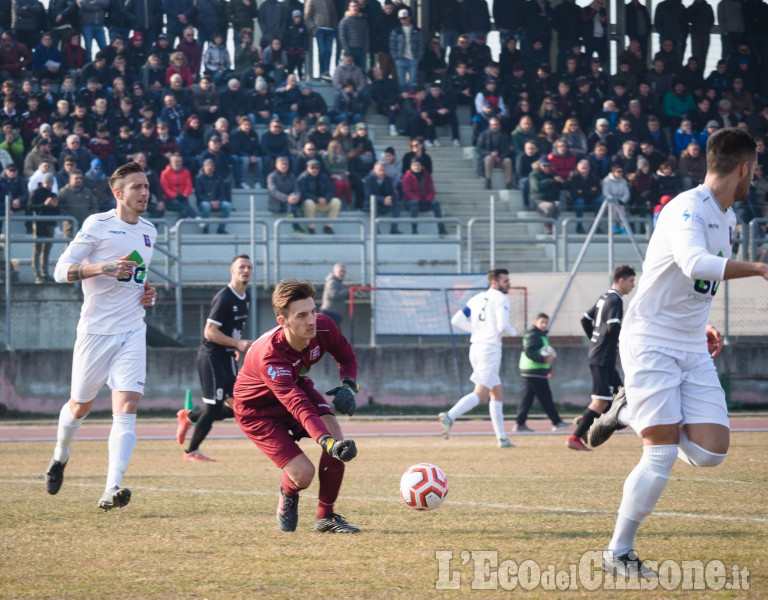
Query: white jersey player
point(111, 255)
point(673, 398)
point(486, 317)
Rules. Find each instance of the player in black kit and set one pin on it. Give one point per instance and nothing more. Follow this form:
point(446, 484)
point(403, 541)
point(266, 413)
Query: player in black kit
point(217, 358)
point(602, 324)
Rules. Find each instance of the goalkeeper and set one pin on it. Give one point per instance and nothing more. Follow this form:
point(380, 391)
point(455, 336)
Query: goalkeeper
point(276, 404)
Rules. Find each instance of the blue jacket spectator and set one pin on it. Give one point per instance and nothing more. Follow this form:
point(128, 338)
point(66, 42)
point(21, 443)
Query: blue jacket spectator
point(211, 194)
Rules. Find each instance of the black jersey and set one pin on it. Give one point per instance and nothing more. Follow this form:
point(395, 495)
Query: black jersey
point(229, 311)
point(602, 323)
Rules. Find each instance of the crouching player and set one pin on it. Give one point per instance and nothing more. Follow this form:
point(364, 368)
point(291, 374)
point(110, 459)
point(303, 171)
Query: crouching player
point(276, 404)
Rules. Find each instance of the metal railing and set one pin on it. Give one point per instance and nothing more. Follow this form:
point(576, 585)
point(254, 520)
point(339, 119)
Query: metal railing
point(494, 240)
point(574, 238)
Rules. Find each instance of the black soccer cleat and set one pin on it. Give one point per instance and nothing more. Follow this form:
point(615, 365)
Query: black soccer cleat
point(54, 476)
point(608, 422)
point(627, 565)
point(287, 511)
point(335, 524)
point(116, 497)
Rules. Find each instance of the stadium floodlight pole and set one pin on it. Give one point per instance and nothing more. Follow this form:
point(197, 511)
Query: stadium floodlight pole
point(7, 266)
point(372, 282)
point(254, 314)
point(493, 232)
point(605, 206)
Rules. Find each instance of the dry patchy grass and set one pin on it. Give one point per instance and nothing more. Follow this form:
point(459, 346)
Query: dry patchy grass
point(208, 530)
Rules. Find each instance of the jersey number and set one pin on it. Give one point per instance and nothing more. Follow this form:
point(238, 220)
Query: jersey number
point(481, 315)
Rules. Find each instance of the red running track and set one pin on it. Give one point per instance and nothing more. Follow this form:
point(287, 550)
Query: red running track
point(156, 429)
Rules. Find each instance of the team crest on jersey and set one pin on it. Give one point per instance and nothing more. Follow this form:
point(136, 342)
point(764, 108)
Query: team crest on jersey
point(147, 241)
point(315, 353)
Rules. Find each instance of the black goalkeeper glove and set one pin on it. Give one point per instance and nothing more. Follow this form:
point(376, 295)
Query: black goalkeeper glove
point(344, 396)
point(343, 450)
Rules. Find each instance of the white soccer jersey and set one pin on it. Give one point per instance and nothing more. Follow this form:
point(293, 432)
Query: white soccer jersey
point(682, 270)
point(486, 317)
point(111, 306)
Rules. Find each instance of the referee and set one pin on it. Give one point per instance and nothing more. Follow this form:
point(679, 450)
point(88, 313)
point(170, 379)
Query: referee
point(217, 358)
point(602, 324)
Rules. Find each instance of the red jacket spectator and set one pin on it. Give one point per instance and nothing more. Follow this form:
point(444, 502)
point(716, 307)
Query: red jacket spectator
point(175, 183)
point(563, 164)
point(14, 58)
point(193, 52)
point(186, 75)
point(413, 189)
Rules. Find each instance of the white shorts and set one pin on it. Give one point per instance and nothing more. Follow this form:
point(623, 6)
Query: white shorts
point(118, 360)
point(486, 362)
point(666, 387)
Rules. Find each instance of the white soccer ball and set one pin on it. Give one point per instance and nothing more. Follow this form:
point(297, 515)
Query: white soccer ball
point(548, 351)
point(423, 487)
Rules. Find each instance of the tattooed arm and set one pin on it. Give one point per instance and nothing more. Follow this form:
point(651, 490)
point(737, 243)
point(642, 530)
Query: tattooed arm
point(115, 268)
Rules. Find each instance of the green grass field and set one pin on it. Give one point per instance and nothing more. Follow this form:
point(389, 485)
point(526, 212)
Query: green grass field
point(208, 530)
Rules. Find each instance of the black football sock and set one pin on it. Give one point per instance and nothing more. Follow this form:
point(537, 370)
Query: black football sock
point(587, 419)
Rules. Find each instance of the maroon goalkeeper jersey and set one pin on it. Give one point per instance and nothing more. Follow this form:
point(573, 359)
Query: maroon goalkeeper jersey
point(273, 379)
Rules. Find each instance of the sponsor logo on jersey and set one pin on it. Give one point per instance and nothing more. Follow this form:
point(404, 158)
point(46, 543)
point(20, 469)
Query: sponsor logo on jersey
point(271, 372)
point(686, 215)
point(116, 232)
point(315, 353)
point(713, 225)
point(278, 372)
point(234, 308)
point(147, 241)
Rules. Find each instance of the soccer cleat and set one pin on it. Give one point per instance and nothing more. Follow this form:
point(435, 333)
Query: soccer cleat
point(196, 456)
point(114, 498)
point(335, 524)
point(608, 422)
point(184, 424)
point(626, 565)
point(560, 425)
point(506, 443)
point(54, 476)
point(446, 422)
point(288, 511)
point(575, 443)
point(521, 428)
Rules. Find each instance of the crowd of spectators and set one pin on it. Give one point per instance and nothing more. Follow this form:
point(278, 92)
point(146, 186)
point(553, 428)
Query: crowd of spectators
point(90, 84)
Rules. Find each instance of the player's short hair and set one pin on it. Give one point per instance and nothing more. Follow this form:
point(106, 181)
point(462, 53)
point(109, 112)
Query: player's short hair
point(118, 177)
point(542, 316)
point(494, 274)
point(623, 272)
point(288, 291)
point(727, 148)
point(238, 257)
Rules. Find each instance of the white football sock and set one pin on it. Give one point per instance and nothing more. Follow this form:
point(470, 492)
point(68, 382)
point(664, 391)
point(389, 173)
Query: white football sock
point(696, 456)
point(642, 490)
point(122, 439)
point(466, 404)
point(495, 408)
point(66, 433)
point(622, 416)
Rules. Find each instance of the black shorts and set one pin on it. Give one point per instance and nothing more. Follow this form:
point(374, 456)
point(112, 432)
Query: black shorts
point(217, 376)
point(605, 382)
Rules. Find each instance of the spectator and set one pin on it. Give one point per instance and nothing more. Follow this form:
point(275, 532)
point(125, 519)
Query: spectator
point(77, 201)
point(27, 17)
point(584, 191)
point(566, 18)
point(136, 53)
point(667, 181)
point(440, 110)
point(273, 20)
point(545, 190)
point(246, 152)
point(62, 177)
point(246, 54)
point(63, 17)
point(147, 18)
point(740, 98)
point(275, 61)
point(41, 151)
point(524, 166)
point(475, 18)
point(677, 103)
point(379, 186)
point(176, 184)
point(43, 202)
point(12, 143)
point(217, 62)
point(284, 196)
point(274, 143)
point(547, 136)
point(178, 14)
point(406, 47)
point(336, 165)
point(537, 23)
point(205, 100)
point(626, 157)
point(616, 191)
point(97, 181)
point(287, 98)
point(460, 85)
point(354, 34)
point(522, 134)
point(241, 14)
point(683, 136)
point(335, 294)
point(595, 20)
point(433, 63)
point(322, 20)
point(648, 152)
point(312, 106)
point(381, 28)
point(710, 128)
point(45, 167)
point(701, 18)
point(349, 71)
point(692, 166)
point(308, 152)
point(15, 59)
point(644, 194)
point(561, 160)
point(671, 23)
point(234, 102)
point(192, 51)
point(419, 194)
point(211, 195)
point(730, 17)
point(417, 151)
point(317, 191)
point(297, 43)
point(47, 59)
point(493, 150)
point(14, 186)
point(575, 138)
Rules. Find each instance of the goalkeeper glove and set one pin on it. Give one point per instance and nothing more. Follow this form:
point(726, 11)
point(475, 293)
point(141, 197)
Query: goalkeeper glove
point(344, 396)
point(343, 450)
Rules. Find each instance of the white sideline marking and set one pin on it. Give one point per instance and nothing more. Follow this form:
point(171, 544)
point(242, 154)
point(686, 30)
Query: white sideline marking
point(514, 507)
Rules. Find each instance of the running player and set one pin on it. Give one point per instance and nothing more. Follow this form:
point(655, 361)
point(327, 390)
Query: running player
point(602, 324)
point(111, 256)
point(217, 358)
point(486, 317)
point(276, 404)
point(673, 397)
